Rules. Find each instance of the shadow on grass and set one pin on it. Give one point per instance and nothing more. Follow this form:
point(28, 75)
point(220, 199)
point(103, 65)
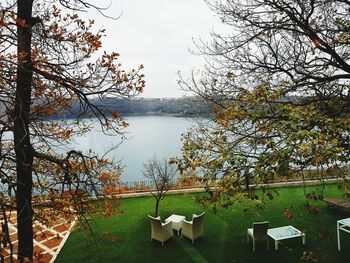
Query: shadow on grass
point(191, 250)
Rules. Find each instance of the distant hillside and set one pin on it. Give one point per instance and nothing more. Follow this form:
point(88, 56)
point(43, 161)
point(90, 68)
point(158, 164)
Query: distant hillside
point(186, 107)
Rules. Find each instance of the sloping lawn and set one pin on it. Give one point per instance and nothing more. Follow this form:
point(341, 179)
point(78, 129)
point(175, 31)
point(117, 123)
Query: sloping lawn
point(126, 237)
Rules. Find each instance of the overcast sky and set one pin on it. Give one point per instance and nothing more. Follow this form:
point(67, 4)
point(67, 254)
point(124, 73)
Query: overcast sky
point(157, 34)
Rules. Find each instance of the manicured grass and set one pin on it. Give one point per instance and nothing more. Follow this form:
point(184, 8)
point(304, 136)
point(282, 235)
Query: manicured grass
point(225, 233)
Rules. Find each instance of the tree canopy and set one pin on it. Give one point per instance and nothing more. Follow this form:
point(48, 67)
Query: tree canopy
point(280, 82)
point(49, 61)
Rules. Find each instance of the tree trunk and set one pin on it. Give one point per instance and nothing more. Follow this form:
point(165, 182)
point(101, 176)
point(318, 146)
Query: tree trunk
point(157, 206)
point(23, 147)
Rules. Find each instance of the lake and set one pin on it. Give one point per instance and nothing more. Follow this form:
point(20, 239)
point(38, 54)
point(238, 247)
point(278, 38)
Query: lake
point(148, 136)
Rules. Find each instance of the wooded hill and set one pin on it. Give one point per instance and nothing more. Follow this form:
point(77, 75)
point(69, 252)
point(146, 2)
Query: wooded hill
point(182, 107)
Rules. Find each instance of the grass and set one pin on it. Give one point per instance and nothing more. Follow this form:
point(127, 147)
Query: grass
point(225, 233)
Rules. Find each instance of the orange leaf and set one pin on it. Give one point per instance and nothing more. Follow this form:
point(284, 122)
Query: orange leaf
point(20, 22)
point(115, 115)
point(288, 214)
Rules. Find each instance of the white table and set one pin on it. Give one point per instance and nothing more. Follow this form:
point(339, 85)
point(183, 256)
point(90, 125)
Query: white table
point(285, 232)
point(343, 224)
point(176, 221)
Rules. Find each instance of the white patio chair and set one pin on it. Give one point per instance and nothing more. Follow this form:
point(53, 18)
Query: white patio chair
point(160, 231)
point(193, 229)
point(258, 233)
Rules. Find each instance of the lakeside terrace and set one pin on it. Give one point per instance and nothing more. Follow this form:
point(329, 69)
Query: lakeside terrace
point(50, 239)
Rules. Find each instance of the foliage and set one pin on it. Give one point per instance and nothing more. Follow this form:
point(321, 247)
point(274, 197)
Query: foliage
point(46, 65)
point(161, 173)
point(280, 81)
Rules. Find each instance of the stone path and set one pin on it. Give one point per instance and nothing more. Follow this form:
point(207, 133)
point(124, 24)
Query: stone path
point(48, 240)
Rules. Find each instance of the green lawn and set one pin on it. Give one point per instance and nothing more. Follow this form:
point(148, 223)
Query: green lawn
point(225, 233)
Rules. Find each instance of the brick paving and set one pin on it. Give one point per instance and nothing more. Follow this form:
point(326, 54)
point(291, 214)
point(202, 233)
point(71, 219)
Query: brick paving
point(48, 240)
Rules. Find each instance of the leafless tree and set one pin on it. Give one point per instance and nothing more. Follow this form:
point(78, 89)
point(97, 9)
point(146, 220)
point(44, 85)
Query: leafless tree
point(161, 173)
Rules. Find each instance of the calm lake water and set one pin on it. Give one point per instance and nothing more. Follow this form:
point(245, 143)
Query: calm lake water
point(148, 136)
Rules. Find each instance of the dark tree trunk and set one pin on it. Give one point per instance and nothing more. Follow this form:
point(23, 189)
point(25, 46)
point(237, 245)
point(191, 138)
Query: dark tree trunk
point(157, 206)
point(23, 147)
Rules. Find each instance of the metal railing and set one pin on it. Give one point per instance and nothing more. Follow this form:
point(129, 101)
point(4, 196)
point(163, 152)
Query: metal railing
point(146, 185)
point(181, 183)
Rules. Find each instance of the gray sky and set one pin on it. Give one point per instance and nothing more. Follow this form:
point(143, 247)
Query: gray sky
point(157, 34)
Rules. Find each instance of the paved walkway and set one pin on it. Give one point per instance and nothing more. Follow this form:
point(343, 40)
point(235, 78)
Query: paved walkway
point(48, 240)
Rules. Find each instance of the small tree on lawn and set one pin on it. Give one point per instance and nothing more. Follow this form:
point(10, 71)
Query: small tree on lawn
point(161, 173)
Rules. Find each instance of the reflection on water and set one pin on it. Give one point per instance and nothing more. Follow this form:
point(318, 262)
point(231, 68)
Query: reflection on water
point(147, 136)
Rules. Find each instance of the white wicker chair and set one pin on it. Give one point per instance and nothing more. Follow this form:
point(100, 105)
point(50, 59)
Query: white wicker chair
point(160, 231)
point(193, 229)
point(258, 233)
